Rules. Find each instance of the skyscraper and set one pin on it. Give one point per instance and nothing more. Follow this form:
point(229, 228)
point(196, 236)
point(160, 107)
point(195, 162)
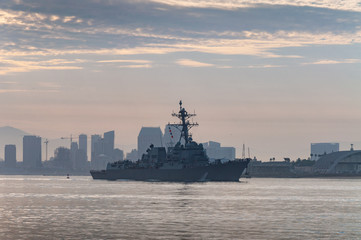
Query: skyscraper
point(83, 144)
point(102, 150)
point(118, 155)
point(73, 153)
point(32, 151)
point(148, 136)
point(10, 156)
point(108, 143)
point(96, 148)
point(62, 158)
point(171, 136)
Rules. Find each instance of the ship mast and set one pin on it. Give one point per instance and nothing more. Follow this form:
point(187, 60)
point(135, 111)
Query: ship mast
point(184, 116)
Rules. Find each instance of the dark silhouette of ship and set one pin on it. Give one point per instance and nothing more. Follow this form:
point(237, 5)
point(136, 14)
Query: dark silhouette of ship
point(187, 161)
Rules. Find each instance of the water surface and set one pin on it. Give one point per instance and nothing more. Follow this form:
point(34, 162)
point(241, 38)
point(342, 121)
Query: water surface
point(42, 207)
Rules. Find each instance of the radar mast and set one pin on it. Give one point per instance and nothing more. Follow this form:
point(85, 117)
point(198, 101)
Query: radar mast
point(185, 124)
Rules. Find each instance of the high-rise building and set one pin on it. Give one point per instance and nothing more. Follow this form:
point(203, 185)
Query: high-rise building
point(10, 156)
point(148, 136)
point(62, 158)
point(228, 153)
point(319, 149)
point(96, 149)
point(108, 143)
point(73, 152)
point(83, 144)
point(102, 150)
point(118, 155)
point(215, 151)
point(132, 155)
point(32, 151)
point(171, 136)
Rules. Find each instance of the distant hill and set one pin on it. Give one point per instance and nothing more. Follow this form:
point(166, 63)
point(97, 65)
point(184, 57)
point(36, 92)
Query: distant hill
point(11, 135)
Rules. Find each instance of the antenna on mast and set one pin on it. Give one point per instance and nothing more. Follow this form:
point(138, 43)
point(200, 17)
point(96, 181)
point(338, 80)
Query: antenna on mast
point(243, 151)
point(184, 116)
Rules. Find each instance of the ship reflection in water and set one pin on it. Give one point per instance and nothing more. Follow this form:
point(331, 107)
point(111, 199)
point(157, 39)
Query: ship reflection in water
point(41, 207)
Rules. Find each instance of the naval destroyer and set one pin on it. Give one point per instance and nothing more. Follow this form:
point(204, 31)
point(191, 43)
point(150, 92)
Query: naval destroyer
point(186, 161)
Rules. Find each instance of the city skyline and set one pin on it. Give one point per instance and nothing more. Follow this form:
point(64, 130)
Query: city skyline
point(64, 143)
point(274, 75)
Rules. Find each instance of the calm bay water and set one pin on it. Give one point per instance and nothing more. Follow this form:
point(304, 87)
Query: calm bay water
point(42, 207)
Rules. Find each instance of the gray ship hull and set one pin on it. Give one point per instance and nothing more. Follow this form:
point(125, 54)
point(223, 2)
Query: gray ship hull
point(226, 172)
point(230, 171)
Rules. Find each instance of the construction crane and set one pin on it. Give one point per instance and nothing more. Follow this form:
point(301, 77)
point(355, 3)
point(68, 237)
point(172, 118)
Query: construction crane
point(46, 149)
point(71, 139)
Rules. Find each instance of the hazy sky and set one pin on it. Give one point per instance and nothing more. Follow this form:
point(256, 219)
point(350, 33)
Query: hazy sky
point(275, 75)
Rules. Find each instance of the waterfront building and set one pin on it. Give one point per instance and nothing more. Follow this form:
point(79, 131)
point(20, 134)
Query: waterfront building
point(148, 136)
point(216, 151)
point(62, 158)
point(32, 151)
point(132, 155)
point(271, 169)
point(81, 162)
point(96, 149)
point(319, 149)
point(83, 144)
point(73, 152)
point(341, 162)
point(118, 155)
point(10, 156)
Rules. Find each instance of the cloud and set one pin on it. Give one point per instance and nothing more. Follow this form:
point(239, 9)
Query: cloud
point(137, 63)
point(264, 66)
point(329, 61)
point(26, 91)
point(4, 71)
point(260, 44)
point(41, 32)
point(48, 85)
point(225, 67)
point(192, 63)
point(21, 18)
point(124, 61)
point(350, 5)
point(13, 90)
point(136, 66)
point(54, 18)
point(8, 82)
point(68, 19)
point(27, 66)
point(33, 20)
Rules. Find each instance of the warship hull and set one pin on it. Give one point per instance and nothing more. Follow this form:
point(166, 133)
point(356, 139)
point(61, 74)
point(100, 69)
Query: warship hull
point(230, 171)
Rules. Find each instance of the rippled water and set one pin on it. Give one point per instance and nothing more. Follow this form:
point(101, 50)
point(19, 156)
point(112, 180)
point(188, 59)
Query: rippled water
point(41, 207)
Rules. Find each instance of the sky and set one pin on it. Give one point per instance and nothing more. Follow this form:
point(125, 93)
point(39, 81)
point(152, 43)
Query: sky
point(273, 75)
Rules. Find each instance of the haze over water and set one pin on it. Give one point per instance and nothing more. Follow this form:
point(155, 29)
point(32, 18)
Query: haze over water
point(42, 207)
